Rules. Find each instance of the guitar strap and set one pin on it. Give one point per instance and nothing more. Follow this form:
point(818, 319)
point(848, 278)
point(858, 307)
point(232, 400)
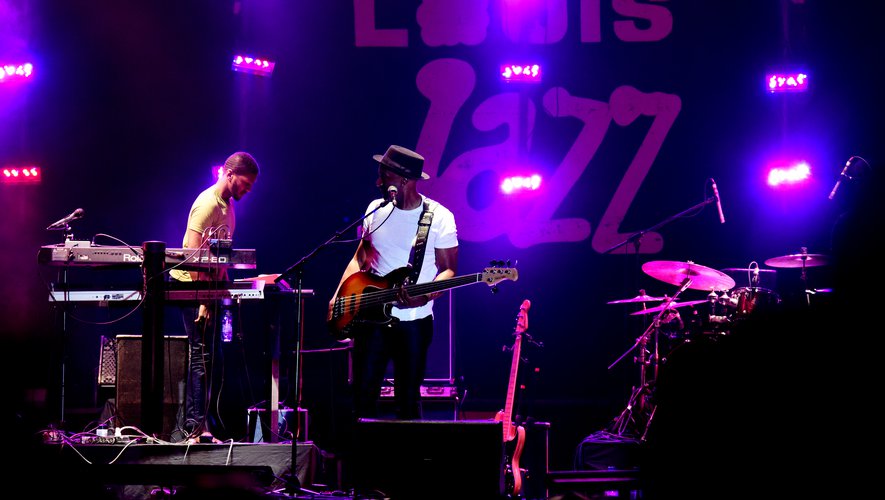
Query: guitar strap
point(421, 240)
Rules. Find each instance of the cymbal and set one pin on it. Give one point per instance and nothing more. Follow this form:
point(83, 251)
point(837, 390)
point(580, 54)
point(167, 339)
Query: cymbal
point(799, 260)
point(638, 298)
point(668, 305)
point(747, 269)
point(675, 273)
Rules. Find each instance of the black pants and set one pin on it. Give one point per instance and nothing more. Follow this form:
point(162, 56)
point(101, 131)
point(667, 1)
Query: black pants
point(405, 344)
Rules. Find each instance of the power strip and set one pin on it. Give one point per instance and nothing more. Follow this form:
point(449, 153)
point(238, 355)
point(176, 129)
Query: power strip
point(98, 440)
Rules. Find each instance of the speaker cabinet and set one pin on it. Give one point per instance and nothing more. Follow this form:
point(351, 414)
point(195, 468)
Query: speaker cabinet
point(429, 459)
point(128, 381)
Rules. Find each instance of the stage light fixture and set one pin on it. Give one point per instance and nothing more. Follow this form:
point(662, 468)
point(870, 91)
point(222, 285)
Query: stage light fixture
point(13, 72)
point(20, 175)
point(789, 175)
point(526, 73)
point(786, 82)
point(253, 65)
point(515, 184)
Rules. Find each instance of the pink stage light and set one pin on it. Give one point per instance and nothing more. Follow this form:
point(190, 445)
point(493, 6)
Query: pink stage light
point(516, 184)
point(528, 73)
point(786, 82)
point(218, 171)
point(253, 65)
point(13, 72)
point(20, 175)
point(789, 175)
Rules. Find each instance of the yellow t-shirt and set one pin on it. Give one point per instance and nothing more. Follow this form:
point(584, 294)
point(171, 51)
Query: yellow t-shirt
point(212, 217)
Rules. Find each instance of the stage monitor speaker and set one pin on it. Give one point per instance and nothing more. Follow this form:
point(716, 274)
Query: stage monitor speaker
point(429, 459)
point(129, 381)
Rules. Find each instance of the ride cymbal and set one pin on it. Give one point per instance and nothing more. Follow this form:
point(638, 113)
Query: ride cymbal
point(675, 273)
point(799, 260)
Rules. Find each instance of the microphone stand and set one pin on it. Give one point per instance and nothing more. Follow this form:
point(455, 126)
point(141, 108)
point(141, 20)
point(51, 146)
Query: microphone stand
point(296, 270)
point(68, 235)
point(635, 237)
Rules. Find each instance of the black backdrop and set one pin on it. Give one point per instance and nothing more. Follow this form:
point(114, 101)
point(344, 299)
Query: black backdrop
point(131, 106)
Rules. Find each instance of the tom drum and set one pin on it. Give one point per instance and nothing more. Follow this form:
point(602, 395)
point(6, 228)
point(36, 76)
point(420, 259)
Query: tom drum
point(750, 301)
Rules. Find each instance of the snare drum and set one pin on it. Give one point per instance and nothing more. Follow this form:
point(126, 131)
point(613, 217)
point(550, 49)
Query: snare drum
point(751, 301)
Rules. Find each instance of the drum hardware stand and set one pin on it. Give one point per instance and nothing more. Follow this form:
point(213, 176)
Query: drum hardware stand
point(640, 398)
point(803, 275)
point(643, 389)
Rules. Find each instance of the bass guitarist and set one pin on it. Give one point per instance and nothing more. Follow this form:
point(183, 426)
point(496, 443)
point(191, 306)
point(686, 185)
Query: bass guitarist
point(391, 240)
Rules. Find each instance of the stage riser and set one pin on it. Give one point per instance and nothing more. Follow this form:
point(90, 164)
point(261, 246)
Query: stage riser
point(429, 459)
point(140, 468)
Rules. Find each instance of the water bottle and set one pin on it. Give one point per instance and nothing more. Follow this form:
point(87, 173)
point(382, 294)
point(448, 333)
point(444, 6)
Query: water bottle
point(227, 326)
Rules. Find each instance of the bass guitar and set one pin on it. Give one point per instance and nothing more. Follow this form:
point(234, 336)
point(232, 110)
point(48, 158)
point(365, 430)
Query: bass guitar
point(366, 297)
point(514, 435)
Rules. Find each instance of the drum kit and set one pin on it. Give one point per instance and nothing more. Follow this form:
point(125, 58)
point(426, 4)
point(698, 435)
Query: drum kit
point(729, 305)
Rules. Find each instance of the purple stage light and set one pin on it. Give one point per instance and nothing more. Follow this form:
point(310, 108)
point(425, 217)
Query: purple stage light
point(789, 175)
point(786, 82)
point(254, 65)
point(527, 73)
point(516, 184)
point(13, 72)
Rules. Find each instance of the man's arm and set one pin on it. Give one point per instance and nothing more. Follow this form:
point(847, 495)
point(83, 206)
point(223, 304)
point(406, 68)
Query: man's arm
point(355, 265)
point(193, 240)
point(446, 266)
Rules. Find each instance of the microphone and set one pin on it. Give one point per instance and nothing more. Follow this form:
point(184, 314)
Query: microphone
point(718, 201)
point(843, 175)
point(755, 280)
point(391, 194)
point(60, 224)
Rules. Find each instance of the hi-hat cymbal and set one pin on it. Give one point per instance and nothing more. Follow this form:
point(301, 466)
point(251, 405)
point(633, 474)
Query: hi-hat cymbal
point(668, 305)
point(675, 273)
point(799, 260)
point(639, 298)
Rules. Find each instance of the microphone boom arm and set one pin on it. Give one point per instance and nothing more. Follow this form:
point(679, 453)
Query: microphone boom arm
point(639, 234)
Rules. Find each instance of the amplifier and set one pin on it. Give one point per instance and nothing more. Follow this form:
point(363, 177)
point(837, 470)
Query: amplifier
point(437, 402)
point(429, 392)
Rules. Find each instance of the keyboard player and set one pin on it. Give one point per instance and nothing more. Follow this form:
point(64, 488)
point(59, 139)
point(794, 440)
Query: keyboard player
point(211, 217)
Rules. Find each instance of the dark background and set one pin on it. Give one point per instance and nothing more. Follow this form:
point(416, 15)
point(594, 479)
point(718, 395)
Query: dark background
point(133, 103)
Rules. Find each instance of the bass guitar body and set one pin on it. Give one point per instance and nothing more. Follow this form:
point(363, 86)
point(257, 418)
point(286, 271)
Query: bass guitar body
point(513, 451)
point(357, 293)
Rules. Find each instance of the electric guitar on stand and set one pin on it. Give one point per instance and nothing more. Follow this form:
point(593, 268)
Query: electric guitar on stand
point(514, 435)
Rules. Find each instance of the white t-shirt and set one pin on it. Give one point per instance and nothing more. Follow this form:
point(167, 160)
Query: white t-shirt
point(392, 240)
